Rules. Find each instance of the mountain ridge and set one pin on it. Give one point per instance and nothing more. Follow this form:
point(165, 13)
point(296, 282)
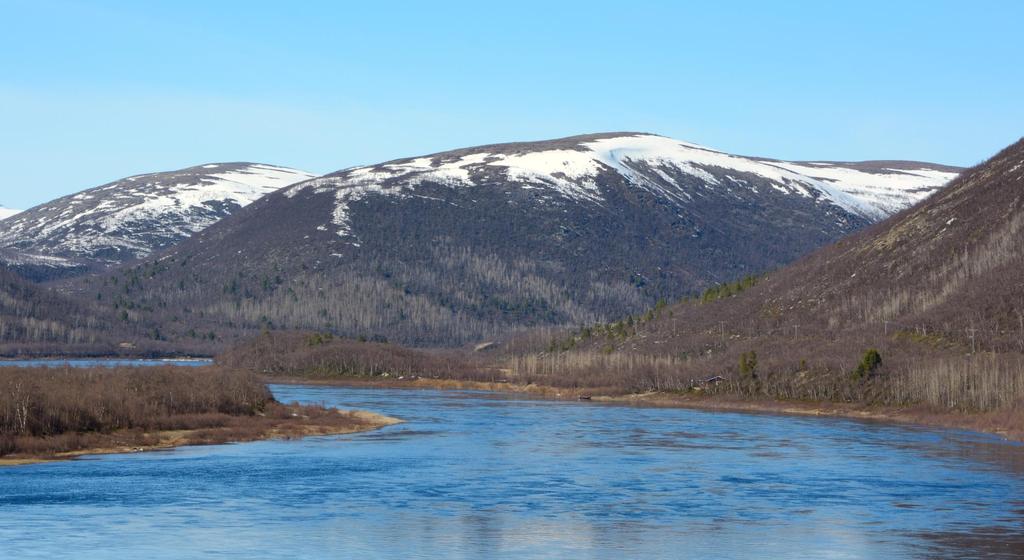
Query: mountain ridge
point(461, 245)
point(456, 165)
point(134, 217)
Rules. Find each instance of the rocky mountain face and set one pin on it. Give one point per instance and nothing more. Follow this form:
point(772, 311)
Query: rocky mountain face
point(132, 218)
point(463, 245)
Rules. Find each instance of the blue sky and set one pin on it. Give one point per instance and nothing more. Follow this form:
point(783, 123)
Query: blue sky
point(94, 91)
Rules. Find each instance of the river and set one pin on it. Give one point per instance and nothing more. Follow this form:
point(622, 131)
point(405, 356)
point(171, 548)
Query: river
point(477, 475)
point(56, 363)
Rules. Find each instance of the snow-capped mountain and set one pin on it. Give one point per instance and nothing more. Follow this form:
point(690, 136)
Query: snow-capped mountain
point(885, 186)
point(677, 172)
point(7, 212)
point(455, 246)
point(136, 216)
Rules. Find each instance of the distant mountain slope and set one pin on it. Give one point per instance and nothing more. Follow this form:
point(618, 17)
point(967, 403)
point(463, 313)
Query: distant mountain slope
point(953, 261)
point(37, 320)
point(136, 216)
point(936, 291)
point(887, 186)
point(462, 245)
point(573, 168)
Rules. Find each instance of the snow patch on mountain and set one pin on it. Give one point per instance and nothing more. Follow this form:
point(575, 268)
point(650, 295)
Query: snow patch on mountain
point(571, 173)
point(886, 190)
point(137, 215)
point(626, 152)
point(674, 170)
point(7, 212)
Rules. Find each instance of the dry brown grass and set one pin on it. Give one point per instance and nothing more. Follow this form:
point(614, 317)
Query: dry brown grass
point(318, 356)
point(943, 380)
point(54, 414)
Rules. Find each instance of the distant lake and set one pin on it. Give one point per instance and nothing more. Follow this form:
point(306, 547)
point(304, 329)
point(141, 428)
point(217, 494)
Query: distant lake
point(103, 362)
point(477, 476)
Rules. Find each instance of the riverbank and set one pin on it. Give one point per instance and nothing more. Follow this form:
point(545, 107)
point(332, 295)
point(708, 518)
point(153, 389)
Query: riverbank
point(1006, 424)
point(54, 414)
point(278, 422)
point(63, 362)
point(104, 357)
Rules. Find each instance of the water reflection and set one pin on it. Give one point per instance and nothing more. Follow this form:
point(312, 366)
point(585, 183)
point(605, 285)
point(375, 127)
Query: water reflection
point(483, 476)
point(105, 362)
point(979, 542)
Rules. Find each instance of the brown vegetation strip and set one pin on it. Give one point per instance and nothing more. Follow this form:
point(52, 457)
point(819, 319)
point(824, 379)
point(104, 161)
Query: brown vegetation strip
point(983, 392)
point(49, 415)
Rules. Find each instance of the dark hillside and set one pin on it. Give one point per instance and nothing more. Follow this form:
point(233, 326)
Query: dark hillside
point(952, 265)
point(35, 319)
point(463, 246)
point(937, 290)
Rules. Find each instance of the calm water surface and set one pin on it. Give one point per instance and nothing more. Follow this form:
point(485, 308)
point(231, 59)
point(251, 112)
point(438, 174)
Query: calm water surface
point(109, 362)
point(482, 476)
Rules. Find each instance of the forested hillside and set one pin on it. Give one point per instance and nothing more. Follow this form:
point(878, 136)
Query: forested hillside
point(464, 246)
point(927, 307)
point(35, 319)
